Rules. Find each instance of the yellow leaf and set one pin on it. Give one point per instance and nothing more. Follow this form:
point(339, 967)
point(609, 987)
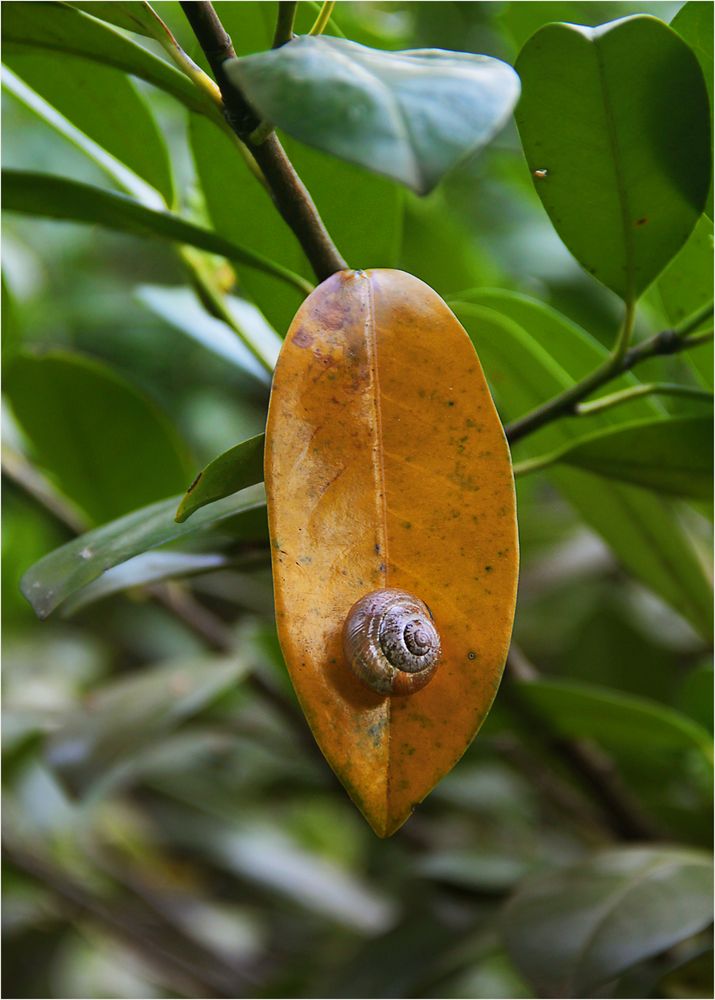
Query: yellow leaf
point(386, 466)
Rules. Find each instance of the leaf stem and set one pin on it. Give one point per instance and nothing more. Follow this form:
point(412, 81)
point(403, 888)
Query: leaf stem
point(692, 322)
point(530, 465)
point(622, 359)
point(638, 391)
point(324, 15)
point(284, 22)
point(693, 339)
point(290, 195)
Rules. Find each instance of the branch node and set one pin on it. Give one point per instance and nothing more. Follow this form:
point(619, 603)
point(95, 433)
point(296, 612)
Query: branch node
point(670, 342)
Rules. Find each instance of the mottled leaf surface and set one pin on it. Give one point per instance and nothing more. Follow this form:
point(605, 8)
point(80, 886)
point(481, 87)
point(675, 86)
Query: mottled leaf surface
point(386, 466)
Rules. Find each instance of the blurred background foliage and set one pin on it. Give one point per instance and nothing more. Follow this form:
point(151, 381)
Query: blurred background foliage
point(170, 828)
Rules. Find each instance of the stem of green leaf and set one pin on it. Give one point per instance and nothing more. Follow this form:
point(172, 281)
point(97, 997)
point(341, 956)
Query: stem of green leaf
point(324, 15)
point(284, 22)
point(566, 401)
point(530, 465)
point(693, 321)
point(621, 360)
point(637, 392)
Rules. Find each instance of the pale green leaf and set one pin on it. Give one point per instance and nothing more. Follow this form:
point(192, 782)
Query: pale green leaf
point(409, 115)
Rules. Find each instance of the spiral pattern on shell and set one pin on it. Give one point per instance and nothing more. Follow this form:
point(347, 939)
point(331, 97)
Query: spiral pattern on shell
point(390, 642)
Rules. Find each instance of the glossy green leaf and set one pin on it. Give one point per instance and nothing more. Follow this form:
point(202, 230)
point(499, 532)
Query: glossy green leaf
point(125, 179)
point(530, 353)
point(57, 198)
point(623, 186)
point(694, 23)
point(78, 563)
point(57, 27)
point(616, 720)
point(108, 446)
point(572, 930)
point(673, 456)
point(100, 101)
point(237, 468)
point(409, 115)
point(132, 15)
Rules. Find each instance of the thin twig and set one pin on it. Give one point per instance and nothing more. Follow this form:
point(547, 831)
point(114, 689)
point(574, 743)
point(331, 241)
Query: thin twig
point(620, 361)
point(290, 195)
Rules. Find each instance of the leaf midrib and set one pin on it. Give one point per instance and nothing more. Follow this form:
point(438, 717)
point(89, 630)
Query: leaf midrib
point(616, 156)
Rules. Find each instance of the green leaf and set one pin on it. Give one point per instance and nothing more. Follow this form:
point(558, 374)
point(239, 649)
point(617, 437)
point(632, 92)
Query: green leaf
point(623, 185)
point(685, 286)
point(440, 249)
point(530, 353)
point(104, 104)
point(11, 338)
point(694, 23)
point(409, 115)
point(108, 446)
point(237, 468)
point(78, 563)
point(616, 720)
point(571, 931)
point(132, 15)
point(125, 179)
point(149, 567)
point(695, 695)
point(181, 309)
point(687, 283)
point(673, 456)
point(57, 27)
point(58, 198)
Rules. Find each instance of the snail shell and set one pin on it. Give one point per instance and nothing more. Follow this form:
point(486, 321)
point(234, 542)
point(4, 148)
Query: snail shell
point(390, 642)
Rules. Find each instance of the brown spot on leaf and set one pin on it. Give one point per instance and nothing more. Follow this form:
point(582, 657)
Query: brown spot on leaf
point(302, 338)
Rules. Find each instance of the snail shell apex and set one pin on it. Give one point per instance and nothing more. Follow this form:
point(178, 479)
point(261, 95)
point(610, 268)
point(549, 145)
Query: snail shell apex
point(390, 642)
